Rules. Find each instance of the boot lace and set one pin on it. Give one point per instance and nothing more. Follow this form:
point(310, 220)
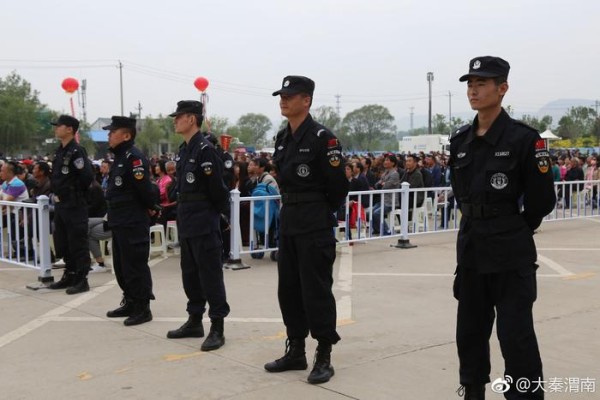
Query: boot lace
point(460, 391)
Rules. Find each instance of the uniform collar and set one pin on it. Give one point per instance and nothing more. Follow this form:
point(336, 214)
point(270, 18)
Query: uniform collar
point(123, 147)
point(302, 129)
point(493, 134)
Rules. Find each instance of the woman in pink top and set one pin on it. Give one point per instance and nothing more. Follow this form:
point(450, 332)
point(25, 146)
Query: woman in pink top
point(163, 182)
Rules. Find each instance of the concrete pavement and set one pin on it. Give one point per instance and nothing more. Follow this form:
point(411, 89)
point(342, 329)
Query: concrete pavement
point(396, 316)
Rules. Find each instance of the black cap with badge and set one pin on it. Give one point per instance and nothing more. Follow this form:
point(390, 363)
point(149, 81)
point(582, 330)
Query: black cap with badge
point(295, 84)
point(67, 120)
point(188, 107)
point(117, 122)
point(487, 67)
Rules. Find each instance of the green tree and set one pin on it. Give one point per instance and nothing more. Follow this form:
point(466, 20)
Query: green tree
point(457, 122)
point(218, 125)
point(251, 129)
point(19, 113)
point(368, 126)
point(578, 122)
point(327, 116)
point(439, 125)
point(150, 135)
point(541, 124)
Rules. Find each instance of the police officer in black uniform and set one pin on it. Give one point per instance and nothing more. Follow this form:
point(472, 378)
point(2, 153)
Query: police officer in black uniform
point(503, 185)
point(313, 186)
point(202, 197)
point(72, 174)
point(131, 202)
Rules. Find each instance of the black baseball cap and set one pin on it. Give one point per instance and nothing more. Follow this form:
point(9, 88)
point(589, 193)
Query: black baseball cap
point(67, 120)
point(187, 107)
point(487, 67)
point(117, 122)
point(294, 84)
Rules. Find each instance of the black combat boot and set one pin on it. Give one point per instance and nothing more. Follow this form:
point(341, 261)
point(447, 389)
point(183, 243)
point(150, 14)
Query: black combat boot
point(472, 392)
point(215, 338)
point(67, 280)
point(322, 369)
point(124, 310)
point(191, 328)
point(141, 313)
point(293, 359)
point(80, 285)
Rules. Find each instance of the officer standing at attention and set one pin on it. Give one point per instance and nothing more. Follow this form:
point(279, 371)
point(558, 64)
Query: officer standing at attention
point(131, 202)
point(503, 185)
point(72, 174)
point(313, 186)
point(202, 197)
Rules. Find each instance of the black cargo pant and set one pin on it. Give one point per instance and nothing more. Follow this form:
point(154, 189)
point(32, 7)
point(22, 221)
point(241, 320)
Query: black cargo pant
point(131, 247)
point(71, 238)
point(511, 294)
point(202, 275)
point(305, 266)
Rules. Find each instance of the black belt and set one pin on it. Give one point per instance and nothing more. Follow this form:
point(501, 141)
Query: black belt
point(306, 197)
point(185, 197)
point(484, 211)
point(113, 205)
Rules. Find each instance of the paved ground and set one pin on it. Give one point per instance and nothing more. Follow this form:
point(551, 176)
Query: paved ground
point(396, 319)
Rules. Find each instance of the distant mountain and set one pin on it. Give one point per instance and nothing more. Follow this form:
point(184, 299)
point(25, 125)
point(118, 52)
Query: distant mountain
point(558, 108)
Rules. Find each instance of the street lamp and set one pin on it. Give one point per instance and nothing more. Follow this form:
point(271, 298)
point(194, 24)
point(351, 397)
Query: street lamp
point(429, 80)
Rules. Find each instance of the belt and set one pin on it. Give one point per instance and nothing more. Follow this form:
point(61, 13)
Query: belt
point(185, 197)
point(485, 211)
point(306, 197)
point(120, 204)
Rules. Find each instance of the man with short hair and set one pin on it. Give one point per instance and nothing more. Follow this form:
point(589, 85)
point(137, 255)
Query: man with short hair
point(497, 164)
point(41, 173)
point(131, 201)
point(202, 197)
point(313, 186)
point(72, 174)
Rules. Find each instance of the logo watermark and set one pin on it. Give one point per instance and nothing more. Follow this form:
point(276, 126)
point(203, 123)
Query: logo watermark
point(550, 385)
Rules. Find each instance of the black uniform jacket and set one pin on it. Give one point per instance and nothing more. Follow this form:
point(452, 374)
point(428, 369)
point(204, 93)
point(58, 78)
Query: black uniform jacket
point(72, 174)
point(503, 184)
point(202, 193)
point(310, 163)
point(129, 194)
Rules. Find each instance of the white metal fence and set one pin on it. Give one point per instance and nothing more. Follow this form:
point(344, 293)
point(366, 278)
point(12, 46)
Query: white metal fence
point(25, 236)
point(407, 216)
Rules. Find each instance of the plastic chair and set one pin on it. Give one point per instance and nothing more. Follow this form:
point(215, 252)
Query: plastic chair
point(155, 245)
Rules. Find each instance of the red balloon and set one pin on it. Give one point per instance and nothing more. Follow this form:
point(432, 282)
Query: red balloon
point(201, 83)
point(70, 85)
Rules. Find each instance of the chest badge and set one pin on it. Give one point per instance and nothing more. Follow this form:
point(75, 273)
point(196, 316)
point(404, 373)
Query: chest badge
point(303, 170)
point(64, 169)
point(499, 181)
point(228, 164)
point(190, 177)
point(280, 148)
point(461, 155)
point(118, 181)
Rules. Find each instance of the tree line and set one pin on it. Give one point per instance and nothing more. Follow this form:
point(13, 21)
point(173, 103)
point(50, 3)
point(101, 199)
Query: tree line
point(25, 125)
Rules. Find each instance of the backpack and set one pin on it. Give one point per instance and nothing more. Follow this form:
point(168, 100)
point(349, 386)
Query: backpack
point(264, 189)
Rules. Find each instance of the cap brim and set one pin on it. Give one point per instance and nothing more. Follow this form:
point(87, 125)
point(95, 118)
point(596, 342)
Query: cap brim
point(55, 123)
point(287, 91)
point(107, 127)
point(478, 74)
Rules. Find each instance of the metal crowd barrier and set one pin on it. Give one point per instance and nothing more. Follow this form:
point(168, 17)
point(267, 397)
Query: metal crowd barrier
point(25, 237)
point(437, 213)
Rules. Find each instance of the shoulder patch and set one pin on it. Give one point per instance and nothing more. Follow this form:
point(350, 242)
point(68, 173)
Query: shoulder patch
point(459, 131)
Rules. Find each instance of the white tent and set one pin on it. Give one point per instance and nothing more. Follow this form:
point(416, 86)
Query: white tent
point(547, 134)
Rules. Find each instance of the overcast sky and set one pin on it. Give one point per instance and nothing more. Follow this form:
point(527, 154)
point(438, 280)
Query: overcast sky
point(368, 52)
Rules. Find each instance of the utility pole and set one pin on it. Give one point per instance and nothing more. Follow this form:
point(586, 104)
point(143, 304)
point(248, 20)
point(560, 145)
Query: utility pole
point(121, 85)
point(597, 104)
point(338, 109)
point(450, 109)
point(430, 80)
point(412, 115)
point(139, 109)
point(83, 99)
